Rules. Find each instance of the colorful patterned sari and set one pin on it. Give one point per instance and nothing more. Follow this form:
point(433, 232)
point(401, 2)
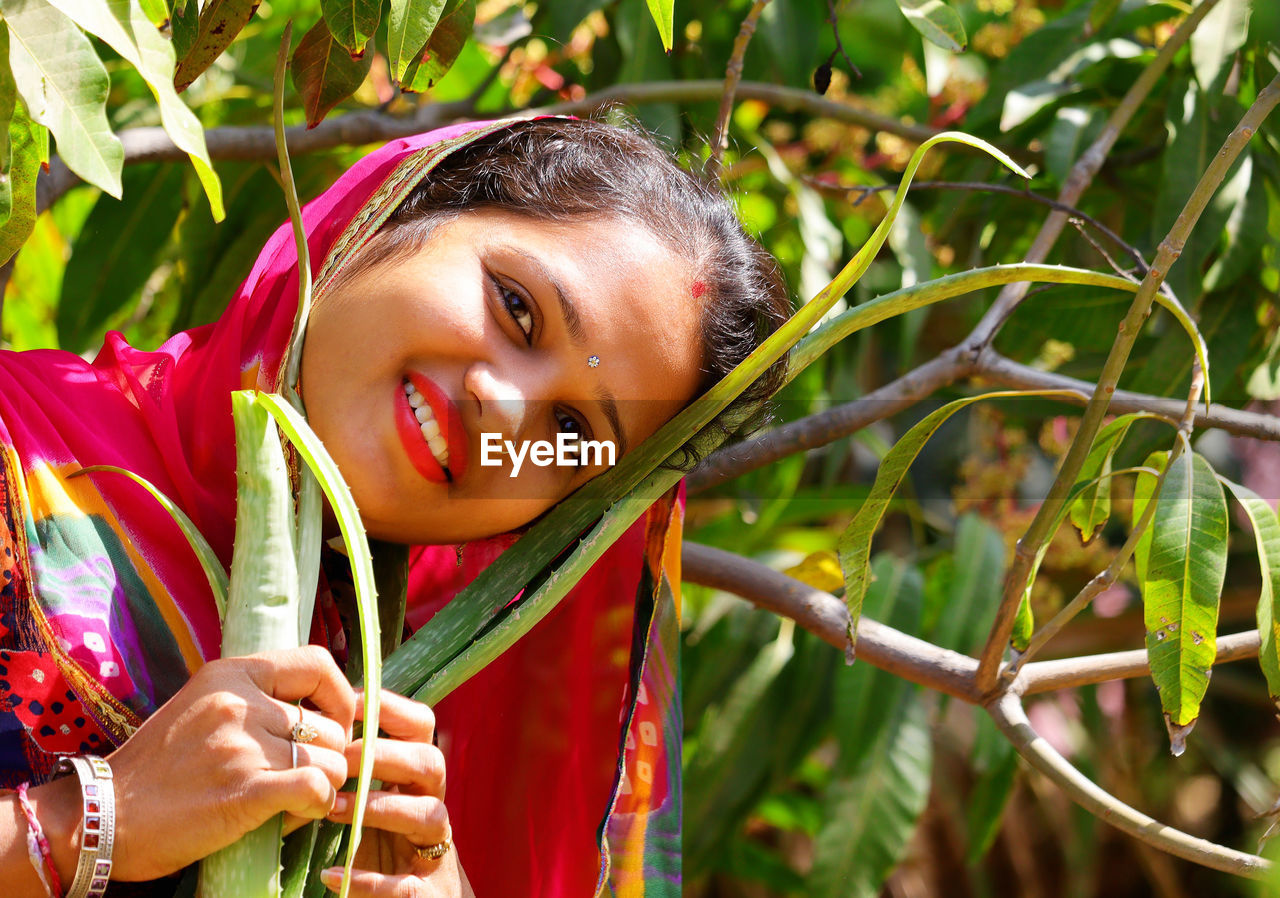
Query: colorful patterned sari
point(563, 755)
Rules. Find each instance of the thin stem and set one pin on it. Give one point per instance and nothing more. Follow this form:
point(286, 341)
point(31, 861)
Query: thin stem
point(1170, 248)
point(732, 75)
point(1083, 172)
point(866, 190)
point(1069, 673)
point(1009, 716)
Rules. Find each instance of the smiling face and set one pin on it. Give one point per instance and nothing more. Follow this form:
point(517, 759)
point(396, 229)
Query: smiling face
point(494, 324)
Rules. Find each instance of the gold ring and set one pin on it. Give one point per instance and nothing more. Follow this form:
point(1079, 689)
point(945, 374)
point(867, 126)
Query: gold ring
point(436, 851)
point(302, 731)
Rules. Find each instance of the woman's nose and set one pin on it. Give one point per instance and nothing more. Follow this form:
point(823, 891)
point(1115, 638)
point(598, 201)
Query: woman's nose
point(503, 406)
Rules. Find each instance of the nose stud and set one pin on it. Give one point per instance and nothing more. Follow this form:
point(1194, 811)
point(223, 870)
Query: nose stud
point(593, 361)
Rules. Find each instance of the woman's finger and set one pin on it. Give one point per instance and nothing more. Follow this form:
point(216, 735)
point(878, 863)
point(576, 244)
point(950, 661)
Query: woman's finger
point(402, 717)
point(367, 884)
point(422, 819)
point(308, 672)
point(415, 766)
point(307, 789)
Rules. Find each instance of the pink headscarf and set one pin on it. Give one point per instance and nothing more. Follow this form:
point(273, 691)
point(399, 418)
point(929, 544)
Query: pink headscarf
point(104, 612)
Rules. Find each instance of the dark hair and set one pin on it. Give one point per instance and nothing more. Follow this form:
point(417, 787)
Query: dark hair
point(555, 169)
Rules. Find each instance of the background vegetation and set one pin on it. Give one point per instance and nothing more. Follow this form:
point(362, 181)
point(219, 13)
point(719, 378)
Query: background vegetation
point(804, 776)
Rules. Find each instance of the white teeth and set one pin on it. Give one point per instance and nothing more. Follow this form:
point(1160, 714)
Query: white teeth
point(428, 424)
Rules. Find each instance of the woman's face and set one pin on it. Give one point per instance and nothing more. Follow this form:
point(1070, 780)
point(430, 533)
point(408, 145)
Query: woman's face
point(501, 330)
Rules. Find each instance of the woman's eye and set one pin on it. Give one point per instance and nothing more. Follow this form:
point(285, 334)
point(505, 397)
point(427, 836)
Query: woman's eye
point(519, 311)
point(567, 423)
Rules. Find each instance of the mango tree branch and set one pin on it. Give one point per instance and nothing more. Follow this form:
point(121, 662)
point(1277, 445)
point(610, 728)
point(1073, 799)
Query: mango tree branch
point(732, 75)
point(1170, 248)
point(825, 616)
point(1009, 716)
point(374, 126)
point(1083, 172)
point(822, 428)
point(1068, 673)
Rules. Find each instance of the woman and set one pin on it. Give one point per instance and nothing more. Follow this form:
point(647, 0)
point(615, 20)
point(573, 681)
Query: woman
point(518, 280)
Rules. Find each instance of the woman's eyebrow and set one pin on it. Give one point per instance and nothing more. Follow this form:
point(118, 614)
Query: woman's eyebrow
point(609, 406)
point(568, 310)
point(577, 333)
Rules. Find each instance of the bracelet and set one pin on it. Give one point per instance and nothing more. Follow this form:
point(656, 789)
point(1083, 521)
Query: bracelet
point(38, 851)
point(98, 825)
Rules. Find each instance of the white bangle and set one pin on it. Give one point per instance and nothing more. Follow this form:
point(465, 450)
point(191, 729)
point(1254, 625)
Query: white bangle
point(97, 825)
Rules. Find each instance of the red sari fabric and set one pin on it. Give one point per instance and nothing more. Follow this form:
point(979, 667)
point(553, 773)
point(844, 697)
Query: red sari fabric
point(104, 611)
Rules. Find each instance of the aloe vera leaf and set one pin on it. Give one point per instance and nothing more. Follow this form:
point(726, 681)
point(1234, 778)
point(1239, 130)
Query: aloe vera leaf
point(1266, 532)
point(835, 329)
point(208, 559)
point(335, 488)
point(262, 614)
point(310, 522)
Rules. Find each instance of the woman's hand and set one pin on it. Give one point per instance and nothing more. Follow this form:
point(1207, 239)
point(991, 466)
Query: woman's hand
point(216, 761)
point(408, 814)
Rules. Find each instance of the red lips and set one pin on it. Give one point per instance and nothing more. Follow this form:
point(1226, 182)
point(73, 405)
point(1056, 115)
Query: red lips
point(410, 432)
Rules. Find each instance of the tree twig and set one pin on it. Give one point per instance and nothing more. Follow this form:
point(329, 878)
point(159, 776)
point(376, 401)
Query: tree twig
point(732, 75)
point(1009, 716)
point(980, 187)
point(1170, 248)
point(1068, 673)
point(1082, 174)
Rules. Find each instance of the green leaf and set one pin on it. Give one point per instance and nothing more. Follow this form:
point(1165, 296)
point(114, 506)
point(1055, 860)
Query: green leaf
point(124, 26)
point(937, 22)
point(64, 86)
point(435, 60)
point(961, 585)
point(663, 12)
point(1091, 509)
point(156, 11)
point(324, 73)
point(1245, 232)
point(324, 468)
point(1181, 574)
point(28, 146)
point(208, 559)
point(995, 767)
point(1215, 41)
point(872, 813)
point(220, 21)
point(116, 252)
point(855, 542)
point(1074, 129)
point(1024, 623)
point(8, 97)
point(1266, 532)
point(351, 22)
point(408, 30)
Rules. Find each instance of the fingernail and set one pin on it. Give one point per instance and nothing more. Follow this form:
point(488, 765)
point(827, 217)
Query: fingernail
point(332, 878)
point(341, 802)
